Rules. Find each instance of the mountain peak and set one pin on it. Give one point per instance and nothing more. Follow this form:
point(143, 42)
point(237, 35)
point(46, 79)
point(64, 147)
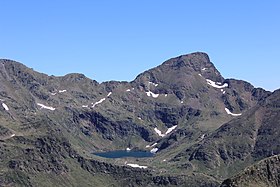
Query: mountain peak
point(197, 60)
point(182, 70)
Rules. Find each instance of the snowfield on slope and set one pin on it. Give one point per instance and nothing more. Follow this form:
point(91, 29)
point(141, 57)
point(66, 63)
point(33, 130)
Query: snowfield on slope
point(230, 113)
point(45, 107)
point(169, 130)
point(216, 85)
point(98, 102)
point(5, 106)
point(137, 166)
point(151, 94)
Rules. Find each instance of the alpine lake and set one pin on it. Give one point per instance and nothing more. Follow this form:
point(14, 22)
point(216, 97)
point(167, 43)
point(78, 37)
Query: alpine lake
point(124, 153)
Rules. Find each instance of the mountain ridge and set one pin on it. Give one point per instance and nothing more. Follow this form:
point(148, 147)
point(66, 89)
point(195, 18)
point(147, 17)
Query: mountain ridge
point(178, 110)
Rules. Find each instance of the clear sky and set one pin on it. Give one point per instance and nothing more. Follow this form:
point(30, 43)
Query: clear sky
point(117, 40)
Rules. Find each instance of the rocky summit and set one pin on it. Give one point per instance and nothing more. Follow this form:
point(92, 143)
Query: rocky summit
point(201, 128)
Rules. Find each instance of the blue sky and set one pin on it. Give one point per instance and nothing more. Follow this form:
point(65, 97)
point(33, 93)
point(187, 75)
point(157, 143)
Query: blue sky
point(117, 40)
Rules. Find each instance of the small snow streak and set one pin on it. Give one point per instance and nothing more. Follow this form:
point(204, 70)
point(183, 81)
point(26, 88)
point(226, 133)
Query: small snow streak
point(62, 91)
point(159, 132)
point(202, 136)
point(153, 84)
point(109, 94)
point(98, 102)
point(154, 150)
point(151, 94)
point(170, 129)
point(128, 90)
point(230, 113)
point(45, 107)
point(5, 106)
point(154, 144)
point(137, 166)
point(214, 84)
point(147, 146)
point(223, 91)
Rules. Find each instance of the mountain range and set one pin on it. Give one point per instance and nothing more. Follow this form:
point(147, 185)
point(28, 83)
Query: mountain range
point(203, 129)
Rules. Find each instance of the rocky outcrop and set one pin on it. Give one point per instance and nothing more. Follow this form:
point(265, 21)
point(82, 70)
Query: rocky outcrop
point(265, 173)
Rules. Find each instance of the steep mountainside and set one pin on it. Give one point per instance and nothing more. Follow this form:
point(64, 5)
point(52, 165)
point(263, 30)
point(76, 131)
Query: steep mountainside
point(244, 140)
point(200, 126)
point(265, 173)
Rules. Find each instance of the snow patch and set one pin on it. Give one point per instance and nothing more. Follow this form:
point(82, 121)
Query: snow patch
point(98, 102)
point(154, 145)
point(53, 93)
point(230, 113)
point(5, 106)
point(202, 136)
point(203, 69)
point(159, 132)
point(62, 91)
point(85, 106)
point(170, 129)
point(128, 149)
point(215, 85)
point(109, 94)
point(45, 107)
point(137, 166)
point(154, 150)
point(147, 146)
point(12, 135)
point(128, 90)
point(200, 74)
point(151, 94)
point(182, 102)
point(165, 95)
point(153, 84)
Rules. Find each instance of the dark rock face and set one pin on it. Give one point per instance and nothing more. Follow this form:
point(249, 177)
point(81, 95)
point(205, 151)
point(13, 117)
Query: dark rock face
point(262, 174)
point(46, 157)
